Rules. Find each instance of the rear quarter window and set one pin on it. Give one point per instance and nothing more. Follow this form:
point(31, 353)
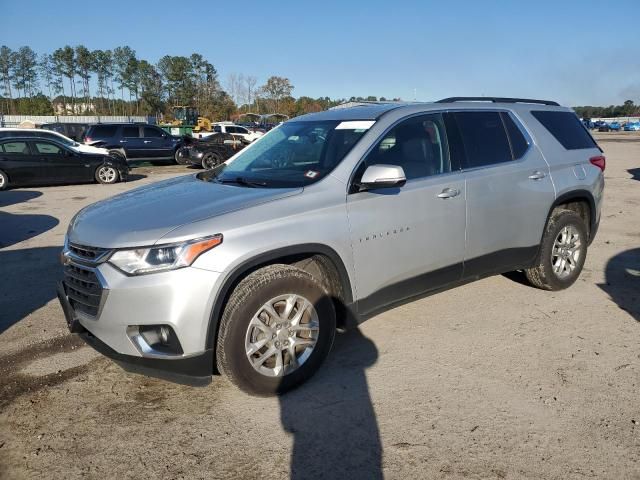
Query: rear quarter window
point(104, 131)
point(566, 128)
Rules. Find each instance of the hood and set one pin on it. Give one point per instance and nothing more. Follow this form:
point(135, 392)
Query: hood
point(142, 216)
point(90, 149)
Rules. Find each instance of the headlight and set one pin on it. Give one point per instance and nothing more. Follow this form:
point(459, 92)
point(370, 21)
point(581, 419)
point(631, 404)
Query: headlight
point(138, 261)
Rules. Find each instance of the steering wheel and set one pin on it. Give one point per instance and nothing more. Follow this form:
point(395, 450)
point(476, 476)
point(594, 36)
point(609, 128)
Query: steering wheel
point(282, 159)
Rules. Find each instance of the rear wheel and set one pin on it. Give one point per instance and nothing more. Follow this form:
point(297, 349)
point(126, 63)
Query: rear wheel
point(107, 174)
point(210, 160)
point(562, 253)
point(277, 328)
point(4, 181)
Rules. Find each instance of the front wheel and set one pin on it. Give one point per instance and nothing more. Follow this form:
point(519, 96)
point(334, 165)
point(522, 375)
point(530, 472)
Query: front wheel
point(107, 174)
point(178, 159)
point(562, 253)
point(210, 160)
point(277, 328)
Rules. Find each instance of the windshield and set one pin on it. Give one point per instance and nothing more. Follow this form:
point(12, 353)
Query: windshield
point(65, 140)
point(293, 155)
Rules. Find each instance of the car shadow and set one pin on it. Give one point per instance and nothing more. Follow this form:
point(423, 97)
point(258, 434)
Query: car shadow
point(635, 173)
point(12, 197)
point(331, 417)
point(133, 177)
point(33, 273)
point(15, 228)
point(622, 281)
point(517, 276)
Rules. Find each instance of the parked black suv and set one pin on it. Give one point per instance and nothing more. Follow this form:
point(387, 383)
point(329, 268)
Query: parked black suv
point(74, 131)
point(134, 141)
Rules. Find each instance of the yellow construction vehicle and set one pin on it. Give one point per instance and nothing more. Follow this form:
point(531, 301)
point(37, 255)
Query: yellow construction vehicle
point(187, 120)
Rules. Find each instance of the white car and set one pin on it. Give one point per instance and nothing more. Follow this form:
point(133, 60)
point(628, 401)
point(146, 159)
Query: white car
point(237, 131)
point(48, 134)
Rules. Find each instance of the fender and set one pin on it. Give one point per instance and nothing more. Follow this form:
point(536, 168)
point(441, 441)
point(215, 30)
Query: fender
point(233, 277)
point(119, 150)
point(575, 195)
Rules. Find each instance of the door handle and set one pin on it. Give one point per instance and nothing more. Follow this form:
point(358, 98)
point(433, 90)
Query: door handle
point(123, 141)
point(449, 193)
point(147, 141)
point(537, 175)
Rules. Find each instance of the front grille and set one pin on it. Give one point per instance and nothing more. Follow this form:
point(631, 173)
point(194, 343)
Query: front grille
point(83, 289)
point(92, 254)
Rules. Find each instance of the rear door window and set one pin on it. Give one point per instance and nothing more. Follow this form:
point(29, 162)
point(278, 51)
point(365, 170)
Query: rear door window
point(566, 128)
point(484, 138)
point(150, 132)
point(131, 132)
point(19, 148)
point(104, 131)
point(519, 144)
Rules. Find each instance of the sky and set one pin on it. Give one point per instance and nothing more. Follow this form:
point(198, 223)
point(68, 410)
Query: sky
point(578, 52)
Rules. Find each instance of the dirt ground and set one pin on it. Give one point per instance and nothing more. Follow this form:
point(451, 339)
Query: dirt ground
point(491, 380)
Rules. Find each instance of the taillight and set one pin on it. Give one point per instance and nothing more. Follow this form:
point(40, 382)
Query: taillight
point(599, 162)
point(87, 139)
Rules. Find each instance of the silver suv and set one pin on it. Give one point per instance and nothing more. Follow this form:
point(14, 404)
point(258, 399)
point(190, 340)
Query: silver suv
point(329, 219)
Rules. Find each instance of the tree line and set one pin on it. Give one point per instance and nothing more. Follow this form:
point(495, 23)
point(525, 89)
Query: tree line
point(78, 81)
point(627, 109)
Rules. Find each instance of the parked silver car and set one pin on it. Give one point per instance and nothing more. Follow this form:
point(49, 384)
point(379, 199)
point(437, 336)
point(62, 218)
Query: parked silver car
point(326, 220)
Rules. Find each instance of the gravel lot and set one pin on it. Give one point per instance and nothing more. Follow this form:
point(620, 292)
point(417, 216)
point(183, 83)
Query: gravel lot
point(491, 380)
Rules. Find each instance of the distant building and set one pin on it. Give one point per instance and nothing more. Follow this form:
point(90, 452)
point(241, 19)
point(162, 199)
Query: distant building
point(65, 106)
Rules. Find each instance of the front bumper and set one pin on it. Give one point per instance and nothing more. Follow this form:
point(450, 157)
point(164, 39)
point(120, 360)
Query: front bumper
point(187, 156)
point(181, 299)
point(199, 366)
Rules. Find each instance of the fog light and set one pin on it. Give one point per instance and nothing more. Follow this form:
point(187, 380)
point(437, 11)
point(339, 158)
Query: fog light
point(155, 339)
point(164, 335)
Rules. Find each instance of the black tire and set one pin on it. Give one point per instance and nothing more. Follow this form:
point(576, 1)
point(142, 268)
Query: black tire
point(210, 160)
point(107, 174)
point(178, 159)
point(4, 181)
point(542, 275)
point(246, 300)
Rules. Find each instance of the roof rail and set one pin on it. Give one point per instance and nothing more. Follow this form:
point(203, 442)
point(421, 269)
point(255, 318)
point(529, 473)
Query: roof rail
point(497, 100)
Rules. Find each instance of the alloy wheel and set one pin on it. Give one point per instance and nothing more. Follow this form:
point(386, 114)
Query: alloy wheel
point(107, 174)
point(566, 251)
point(282, 335)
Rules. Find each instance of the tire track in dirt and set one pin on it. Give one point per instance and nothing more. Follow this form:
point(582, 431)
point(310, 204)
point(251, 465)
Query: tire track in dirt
point(14, 383)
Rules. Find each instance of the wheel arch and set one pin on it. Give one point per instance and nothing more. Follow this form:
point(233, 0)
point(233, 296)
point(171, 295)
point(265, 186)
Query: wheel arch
point(118, 150)
point(573, 201)
point(289, 255)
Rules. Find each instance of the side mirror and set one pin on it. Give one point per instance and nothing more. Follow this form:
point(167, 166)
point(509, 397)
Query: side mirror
point(67, 153)
point(382, 176)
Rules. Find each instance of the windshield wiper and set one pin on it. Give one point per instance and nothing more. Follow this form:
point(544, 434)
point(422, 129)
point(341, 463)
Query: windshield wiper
point(242, 181)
